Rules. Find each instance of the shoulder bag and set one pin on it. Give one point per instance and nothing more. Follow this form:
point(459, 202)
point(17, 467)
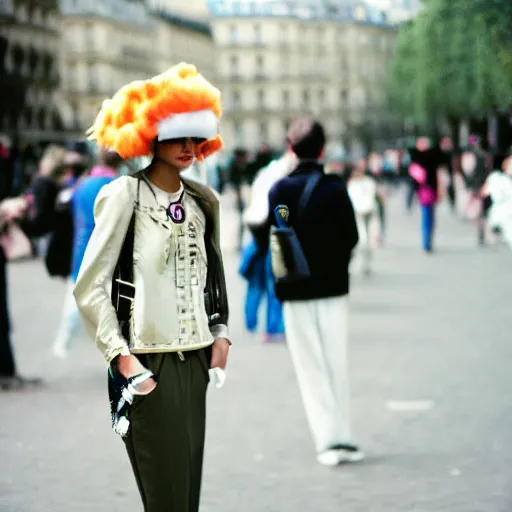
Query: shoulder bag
point(289, 263)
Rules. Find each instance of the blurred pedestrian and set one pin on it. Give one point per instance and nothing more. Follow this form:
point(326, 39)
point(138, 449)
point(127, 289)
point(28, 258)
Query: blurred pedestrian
point(239, 178)
point(59, 249)
point(262, 158)
point(335, 160)
point(410, 184)
point(82, 196)
point(315, 308)
point(10, 380)
point(447, 151)
point(425, 162)
point(43, 195)
point(375, 164)
point(476, 164)
point(255, 265)
point(151, 287)
point(498, 188)
point(362, 190)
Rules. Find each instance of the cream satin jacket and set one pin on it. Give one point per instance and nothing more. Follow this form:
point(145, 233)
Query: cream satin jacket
point(169, 266)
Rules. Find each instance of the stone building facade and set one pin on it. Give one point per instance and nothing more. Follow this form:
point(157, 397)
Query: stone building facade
point(30, 103)
point(105, 44)
point(279, 59)
point(108, 43)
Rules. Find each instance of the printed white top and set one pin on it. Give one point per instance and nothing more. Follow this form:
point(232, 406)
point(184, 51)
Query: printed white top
point(170, 265)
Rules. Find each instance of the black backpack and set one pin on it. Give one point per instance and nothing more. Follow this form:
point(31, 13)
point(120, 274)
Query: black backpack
point(59, 254)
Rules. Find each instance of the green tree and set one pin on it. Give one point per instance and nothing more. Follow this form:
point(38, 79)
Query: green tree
point(454, 60)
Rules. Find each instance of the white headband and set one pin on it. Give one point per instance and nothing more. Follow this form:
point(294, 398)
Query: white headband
point(200, 123)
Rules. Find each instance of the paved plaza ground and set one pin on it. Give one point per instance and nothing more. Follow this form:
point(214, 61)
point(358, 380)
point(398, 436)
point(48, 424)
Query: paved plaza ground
point(431, 376)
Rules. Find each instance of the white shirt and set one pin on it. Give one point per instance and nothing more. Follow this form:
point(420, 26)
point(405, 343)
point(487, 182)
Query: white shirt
point(363, 194)
point(257, 211)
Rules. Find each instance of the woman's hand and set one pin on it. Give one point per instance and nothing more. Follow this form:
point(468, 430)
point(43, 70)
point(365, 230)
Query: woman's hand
point(13, 208)
point(129, 366)
point(220, 351)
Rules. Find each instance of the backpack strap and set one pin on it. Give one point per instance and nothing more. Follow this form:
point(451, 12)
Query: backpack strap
point(311, 184)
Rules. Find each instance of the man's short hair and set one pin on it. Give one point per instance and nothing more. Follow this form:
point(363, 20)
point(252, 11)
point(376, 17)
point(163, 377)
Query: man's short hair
point(306, 137)
point(110, 159)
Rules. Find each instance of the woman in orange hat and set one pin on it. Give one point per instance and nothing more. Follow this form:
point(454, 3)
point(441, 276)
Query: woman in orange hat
point(151, 288)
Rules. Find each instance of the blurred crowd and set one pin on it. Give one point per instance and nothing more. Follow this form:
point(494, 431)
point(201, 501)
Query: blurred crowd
point(47, 213)
point(47, 204)
point(476, 183)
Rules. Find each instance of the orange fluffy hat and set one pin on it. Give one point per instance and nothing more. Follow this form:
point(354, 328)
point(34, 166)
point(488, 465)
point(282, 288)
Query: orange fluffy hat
point(177, 103)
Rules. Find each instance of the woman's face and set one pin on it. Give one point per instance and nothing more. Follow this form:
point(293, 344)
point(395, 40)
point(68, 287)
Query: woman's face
point(177, 152)
point(359, 170)
point(507, 166)
point(423, 143)
point(46, 166)
point(361, 165)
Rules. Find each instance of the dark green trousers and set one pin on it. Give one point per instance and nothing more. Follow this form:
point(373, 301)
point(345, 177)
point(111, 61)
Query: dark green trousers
point(166, 442)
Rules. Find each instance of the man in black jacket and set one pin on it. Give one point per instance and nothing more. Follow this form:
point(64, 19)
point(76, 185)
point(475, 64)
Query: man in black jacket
point(316, 309)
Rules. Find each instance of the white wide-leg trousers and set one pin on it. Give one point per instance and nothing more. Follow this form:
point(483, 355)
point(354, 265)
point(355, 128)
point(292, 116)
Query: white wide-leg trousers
point(316, 334)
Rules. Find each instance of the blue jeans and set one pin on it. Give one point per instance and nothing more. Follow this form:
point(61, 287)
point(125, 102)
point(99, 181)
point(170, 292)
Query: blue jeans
point(260, 286)
point(427, 226)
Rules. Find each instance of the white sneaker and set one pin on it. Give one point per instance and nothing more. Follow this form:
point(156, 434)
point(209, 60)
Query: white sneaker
point(328, 458)
point(335, 457)
point(350, 456)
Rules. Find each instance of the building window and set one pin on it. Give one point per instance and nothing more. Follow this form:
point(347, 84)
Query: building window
point(283, 34)
point(93, 79)
point(238, 130)
point(321, 97)
point(260, 65)
point(305, 97)
point(70, 39)
point(233, 34)
point(365, 68)
point(363, 39)
point(261, 98)
point(263, 132)
point(72, 78)
point(91, 37)
point(344, 96)
point(237, 100)
point(233, 64)
point(286, 99)
point(76, 116)
point(37, 16)
point(286, 127)
point(257, 34)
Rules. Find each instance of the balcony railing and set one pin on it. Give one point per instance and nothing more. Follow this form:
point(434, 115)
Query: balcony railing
point(243, 44)
point(247, 79)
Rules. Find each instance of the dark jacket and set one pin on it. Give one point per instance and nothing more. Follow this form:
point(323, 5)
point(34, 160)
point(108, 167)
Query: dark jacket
point(42, 220)
point(430, 159)
point(327, 232)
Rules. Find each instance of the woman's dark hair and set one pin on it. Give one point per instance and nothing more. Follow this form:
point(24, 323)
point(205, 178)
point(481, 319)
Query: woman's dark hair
point(306, 137)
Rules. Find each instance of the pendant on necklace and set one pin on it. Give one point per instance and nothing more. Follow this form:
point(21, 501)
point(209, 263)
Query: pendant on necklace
point(176, 211)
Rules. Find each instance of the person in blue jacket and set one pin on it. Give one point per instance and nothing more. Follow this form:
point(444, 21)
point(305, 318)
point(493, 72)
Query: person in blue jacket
point(83, 199)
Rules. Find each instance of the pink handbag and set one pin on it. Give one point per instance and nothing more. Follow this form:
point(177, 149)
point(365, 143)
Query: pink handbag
point(426, 195)
point(15, 244)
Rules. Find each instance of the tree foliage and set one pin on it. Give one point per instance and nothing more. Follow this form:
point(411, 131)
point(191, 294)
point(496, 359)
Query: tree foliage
point(454, 60)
